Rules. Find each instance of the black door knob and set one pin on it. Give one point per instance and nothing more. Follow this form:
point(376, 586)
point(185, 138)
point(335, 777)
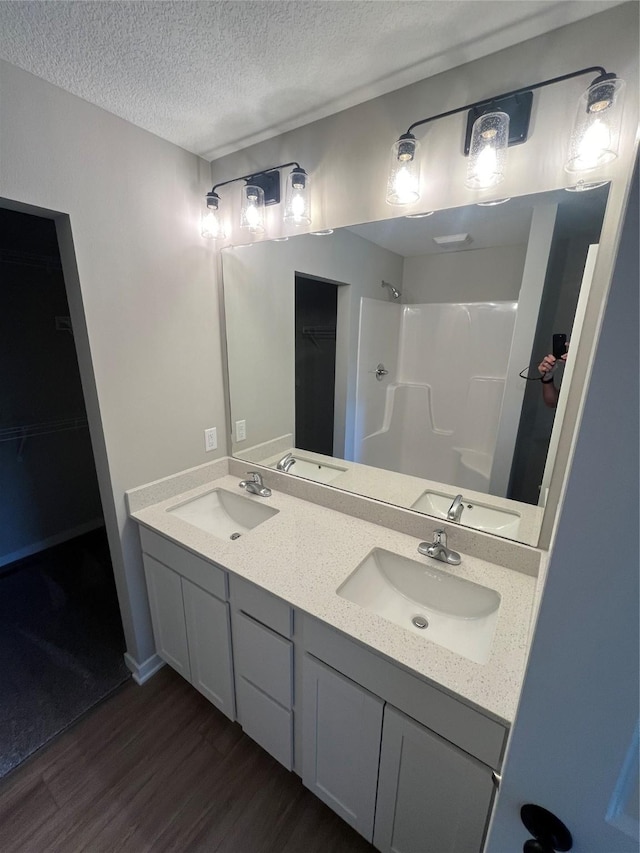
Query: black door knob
point(550, 835)
point(533, 846)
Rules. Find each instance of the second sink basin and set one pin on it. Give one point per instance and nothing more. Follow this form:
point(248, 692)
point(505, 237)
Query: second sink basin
point(479, 516)
point(459, 614)
point(224, 514)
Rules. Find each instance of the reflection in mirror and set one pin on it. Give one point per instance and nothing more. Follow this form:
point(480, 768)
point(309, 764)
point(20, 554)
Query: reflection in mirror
point(391, 358)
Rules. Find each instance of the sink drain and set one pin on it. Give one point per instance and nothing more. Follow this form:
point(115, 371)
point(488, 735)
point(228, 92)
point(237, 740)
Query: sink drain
point(235, 535)
point(420, 622)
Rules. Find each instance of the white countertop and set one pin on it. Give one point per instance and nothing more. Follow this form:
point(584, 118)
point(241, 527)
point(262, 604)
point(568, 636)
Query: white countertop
point(306, 551)
point(403, 490)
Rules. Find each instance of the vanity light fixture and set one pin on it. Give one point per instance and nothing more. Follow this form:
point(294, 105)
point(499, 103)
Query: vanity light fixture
point(260, 190)
point(496, 123)
point(297, 210)
point(419, 215)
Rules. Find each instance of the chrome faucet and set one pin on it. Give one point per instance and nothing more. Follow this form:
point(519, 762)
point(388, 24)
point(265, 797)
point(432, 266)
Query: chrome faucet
point(255, 485)
point(286, 462)
point(438, 549)
point(455, 510)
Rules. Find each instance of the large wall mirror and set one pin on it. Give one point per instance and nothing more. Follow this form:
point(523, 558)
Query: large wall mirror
point(391, 358)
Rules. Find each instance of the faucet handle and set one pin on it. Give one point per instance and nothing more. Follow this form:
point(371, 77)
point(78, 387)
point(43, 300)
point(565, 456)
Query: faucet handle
point(256, 477)
point(440, 537)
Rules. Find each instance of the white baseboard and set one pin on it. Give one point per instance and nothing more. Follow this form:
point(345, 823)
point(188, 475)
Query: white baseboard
point(58, 539)
point(142, 672)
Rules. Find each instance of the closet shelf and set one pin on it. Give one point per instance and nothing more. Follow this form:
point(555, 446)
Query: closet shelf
point(43, 428)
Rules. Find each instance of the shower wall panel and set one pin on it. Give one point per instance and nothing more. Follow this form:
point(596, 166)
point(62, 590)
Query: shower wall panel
point(436, 414)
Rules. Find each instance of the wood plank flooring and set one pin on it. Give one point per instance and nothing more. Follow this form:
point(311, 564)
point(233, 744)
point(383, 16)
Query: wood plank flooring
point(157, 768)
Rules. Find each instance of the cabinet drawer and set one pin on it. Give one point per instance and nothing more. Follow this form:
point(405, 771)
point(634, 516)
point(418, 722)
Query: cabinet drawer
point(263, 657)
point(199, 571)
point(265, 721)
point(264, 607)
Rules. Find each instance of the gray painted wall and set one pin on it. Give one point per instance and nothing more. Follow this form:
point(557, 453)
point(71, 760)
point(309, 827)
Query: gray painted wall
point(142, 295)
point(475, 275)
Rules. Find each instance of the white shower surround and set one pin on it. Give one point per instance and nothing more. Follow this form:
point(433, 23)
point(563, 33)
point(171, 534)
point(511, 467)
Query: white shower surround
point(436, 413)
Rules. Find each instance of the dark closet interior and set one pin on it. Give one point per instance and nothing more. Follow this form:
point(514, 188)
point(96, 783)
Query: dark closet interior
point(61, 640)
point(316, 307)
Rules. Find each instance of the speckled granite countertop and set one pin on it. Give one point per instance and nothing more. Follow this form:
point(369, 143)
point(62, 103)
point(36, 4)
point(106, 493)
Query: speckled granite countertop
point(306, 551)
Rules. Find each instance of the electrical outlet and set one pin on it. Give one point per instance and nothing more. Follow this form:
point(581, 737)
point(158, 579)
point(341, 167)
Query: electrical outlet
point(241, 430)
point(210, 439)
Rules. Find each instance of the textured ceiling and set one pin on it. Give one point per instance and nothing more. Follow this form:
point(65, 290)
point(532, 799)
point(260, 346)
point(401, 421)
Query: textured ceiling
point(216, 76)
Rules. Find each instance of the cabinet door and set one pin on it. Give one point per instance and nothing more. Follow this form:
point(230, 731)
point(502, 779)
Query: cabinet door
point(432, 797)
point(342, 724)
point(209, 637)
point(167, 615)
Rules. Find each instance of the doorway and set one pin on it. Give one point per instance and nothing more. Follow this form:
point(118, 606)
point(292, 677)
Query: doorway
point(316, 311)
point(61, 638)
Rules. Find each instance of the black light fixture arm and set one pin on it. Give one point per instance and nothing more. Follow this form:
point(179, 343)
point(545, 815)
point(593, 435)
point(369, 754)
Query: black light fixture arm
point(254, 175)
point(602, 75)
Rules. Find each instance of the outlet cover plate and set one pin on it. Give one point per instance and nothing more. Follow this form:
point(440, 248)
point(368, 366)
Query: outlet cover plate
point(210, 439)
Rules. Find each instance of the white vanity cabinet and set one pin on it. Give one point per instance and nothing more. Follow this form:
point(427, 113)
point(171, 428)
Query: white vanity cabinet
point(167, 615)
point(406, 764)
point(190, 616)
point(432, 797)
point(342, 724)
point(413, 782)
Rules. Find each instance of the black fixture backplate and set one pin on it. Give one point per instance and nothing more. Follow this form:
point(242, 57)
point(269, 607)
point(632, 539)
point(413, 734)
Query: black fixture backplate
point(517, 107)
point(269, 183)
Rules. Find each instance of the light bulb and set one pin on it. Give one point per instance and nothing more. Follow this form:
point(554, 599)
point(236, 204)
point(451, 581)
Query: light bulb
point(596, 130)
point(486, 166)
point(488, 151)
point(404, 186)
point(253, 216)
point(403, 183)
point(593, 146)
point(297, 203)
point(252, 210)
point(211, 225)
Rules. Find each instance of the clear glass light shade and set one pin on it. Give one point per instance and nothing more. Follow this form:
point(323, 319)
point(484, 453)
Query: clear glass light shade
point(252, 209)
point(596, 129)
point(297, 208)
point(212, 226)
point(488, 151)
point(403, 185)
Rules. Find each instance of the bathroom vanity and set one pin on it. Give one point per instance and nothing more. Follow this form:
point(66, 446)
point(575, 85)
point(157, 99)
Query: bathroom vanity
point(398, 734)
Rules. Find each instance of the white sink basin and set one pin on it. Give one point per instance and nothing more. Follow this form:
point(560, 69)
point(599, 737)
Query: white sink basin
point(318, 471)
point(503, 522)
point(461, 614)
point(223, 513)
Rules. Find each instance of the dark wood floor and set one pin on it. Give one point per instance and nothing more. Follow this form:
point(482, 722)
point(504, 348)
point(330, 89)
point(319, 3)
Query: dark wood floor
point(157, 768)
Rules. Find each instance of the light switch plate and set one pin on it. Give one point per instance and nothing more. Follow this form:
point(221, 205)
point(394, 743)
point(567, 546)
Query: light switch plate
point(210, 439)
point(241, 430)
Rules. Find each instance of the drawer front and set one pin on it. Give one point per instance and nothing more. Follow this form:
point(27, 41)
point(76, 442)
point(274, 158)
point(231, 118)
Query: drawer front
point(199, 571)
point(449, 717)
point(263, 658)
point(265, 721)
point(264, 607)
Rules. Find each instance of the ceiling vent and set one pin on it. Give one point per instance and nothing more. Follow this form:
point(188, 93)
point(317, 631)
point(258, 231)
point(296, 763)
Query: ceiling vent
point(453, 241)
